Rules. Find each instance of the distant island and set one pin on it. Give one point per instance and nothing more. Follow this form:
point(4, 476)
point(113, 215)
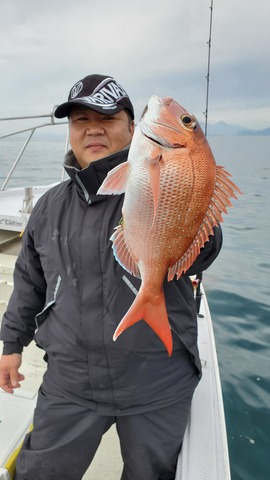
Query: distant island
point(223, 128)
point(264, 132)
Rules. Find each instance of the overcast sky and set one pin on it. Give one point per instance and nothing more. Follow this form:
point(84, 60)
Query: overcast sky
point(149, 46)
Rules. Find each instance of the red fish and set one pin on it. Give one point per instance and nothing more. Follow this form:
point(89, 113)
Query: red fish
point(174, 195)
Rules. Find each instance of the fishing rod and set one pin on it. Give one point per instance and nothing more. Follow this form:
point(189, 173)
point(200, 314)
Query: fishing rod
point(199, 275)
point(208, 67)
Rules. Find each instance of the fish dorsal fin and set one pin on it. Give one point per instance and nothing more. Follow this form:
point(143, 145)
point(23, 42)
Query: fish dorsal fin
point(122, 252)
point(224, 188)
point(186, 260)
point(116, 180)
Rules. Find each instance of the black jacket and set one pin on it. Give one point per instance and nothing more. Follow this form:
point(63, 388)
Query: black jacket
point(66, 274)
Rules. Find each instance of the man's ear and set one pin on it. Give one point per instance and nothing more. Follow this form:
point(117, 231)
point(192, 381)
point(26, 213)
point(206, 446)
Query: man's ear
point(132, 126)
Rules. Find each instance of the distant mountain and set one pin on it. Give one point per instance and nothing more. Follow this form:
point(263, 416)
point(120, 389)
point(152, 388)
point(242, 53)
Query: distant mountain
point(262, 133)
point(223, 128)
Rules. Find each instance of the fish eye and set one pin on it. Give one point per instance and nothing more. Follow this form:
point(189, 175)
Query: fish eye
point(188, 121)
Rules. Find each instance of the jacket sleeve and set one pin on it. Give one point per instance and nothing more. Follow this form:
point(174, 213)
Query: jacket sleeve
point(27, 299)
point(208, 253)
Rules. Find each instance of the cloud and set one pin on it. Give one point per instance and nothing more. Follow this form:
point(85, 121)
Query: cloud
point(149, 46)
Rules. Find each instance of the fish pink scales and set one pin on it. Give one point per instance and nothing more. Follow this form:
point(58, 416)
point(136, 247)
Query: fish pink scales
point(174, 195)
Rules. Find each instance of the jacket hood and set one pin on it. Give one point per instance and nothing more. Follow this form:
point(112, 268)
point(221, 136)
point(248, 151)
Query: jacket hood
point(89, 179)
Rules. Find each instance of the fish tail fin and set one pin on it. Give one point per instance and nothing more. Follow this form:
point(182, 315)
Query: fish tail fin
point(152, 311)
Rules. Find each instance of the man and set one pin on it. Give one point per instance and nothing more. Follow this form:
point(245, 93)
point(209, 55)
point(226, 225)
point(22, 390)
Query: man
point(70, 293)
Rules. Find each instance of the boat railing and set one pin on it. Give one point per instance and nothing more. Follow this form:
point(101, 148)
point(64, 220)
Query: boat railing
point(31, 131)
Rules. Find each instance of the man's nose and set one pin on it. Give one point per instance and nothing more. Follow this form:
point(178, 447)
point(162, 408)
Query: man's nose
point(94, 128)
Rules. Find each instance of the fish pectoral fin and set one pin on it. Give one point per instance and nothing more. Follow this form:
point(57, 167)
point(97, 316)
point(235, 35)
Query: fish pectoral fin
point(153, 313)
point(122, 253)
point(116, 180)
point(153, 168)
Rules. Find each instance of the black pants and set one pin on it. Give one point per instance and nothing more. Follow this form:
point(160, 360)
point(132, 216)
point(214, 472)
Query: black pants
point(65, 439)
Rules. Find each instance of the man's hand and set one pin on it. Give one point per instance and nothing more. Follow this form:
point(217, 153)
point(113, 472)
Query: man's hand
point(9, 372)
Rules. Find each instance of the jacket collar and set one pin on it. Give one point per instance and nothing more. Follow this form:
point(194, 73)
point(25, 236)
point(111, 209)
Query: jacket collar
point(89, 179)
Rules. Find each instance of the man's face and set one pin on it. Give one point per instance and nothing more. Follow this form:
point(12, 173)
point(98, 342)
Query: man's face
point(94, 136)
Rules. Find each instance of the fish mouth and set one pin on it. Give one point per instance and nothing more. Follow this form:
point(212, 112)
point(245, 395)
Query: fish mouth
point(148, 133)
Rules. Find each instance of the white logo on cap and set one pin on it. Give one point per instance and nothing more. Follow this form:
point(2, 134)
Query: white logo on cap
point(106, 95)
point(76, 89)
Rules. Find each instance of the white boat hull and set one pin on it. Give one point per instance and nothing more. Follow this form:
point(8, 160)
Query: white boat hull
point(204, 454)
point(16, 206)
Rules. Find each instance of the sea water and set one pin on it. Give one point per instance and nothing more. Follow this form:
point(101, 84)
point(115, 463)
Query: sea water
point(237, 286)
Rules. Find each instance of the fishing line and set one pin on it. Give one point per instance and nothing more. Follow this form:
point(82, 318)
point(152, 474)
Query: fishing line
point(208, 67)
point(199, 294)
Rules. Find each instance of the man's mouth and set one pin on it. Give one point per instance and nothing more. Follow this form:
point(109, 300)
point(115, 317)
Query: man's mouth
point(96, 146)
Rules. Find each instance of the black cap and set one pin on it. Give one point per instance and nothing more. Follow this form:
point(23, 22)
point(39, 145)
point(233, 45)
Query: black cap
point(101, 93)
